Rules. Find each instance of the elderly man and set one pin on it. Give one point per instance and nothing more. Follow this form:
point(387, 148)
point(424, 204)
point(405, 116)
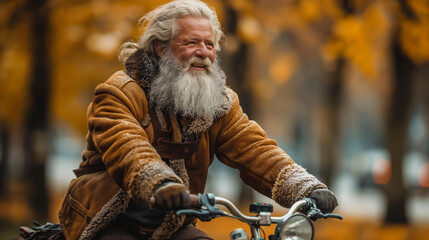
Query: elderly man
point(153, 131)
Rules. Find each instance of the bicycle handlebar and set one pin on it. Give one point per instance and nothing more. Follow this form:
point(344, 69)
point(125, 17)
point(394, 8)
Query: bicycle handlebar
point(204, 207)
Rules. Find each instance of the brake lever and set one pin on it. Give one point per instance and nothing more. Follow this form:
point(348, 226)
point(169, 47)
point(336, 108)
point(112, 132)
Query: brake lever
point(315, 214)
point(333, 215)
point(208, 209)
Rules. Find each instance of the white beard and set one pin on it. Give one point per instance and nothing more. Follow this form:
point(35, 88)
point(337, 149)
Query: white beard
point(190, 94)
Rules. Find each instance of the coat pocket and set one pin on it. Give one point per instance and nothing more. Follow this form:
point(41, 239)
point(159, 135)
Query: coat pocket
point(73, 217)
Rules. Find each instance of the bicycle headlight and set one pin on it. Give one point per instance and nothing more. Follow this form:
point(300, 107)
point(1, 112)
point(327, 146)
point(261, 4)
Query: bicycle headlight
point(296, 227)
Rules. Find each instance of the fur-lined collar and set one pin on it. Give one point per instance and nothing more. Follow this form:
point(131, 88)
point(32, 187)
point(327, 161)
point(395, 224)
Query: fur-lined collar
point(142, 67)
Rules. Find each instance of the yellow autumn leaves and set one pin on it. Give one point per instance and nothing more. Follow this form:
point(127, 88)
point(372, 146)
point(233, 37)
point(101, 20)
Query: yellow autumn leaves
point(359, 38)
point(414, 32)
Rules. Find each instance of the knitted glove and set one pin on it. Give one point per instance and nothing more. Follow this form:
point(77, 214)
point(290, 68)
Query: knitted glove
point(171, 196)
point(325, 200)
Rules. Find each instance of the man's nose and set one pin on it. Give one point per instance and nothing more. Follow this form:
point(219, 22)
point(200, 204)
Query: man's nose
point(202, 51)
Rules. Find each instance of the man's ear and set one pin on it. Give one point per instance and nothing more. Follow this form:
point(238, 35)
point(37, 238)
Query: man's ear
point(159, 47)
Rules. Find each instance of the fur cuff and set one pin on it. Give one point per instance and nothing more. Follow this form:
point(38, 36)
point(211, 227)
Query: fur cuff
point(294, 183)
point(148, 178)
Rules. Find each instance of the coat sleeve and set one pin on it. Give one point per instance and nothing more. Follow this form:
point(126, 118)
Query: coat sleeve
point(243, 144)
point(118, 136)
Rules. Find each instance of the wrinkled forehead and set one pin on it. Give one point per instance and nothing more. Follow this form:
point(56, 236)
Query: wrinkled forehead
point(192, 24)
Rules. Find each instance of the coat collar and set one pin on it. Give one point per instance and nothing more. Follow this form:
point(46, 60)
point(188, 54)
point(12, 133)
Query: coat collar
point(143, 67)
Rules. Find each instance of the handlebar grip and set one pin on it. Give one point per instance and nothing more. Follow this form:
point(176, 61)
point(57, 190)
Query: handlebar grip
point(315, 214)
point(195, 201)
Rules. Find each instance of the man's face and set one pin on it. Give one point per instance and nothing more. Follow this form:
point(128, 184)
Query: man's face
point(194, 39)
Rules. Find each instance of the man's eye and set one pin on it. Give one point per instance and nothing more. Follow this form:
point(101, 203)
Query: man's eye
point(210, 45)
point(191, 43)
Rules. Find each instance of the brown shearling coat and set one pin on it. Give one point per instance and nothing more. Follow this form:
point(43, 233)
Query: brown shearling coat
point(120, 136)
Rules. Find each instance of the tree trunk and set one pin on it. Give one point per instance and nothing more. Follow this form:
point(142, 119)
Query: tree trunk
point(425, 107)
point(4, 158)
point(239, 63)
point(36, 124)
point(397, 123)
point(330, 132)
point(331, 124)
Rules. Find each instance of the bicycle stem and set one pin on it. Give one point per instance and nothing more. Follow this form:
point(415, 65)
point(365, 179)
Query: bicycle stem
point(253, 221)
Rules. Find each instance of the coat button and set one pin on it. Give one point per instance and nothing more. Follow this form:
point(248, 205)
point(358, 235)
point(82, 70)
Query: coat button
point(186, 150)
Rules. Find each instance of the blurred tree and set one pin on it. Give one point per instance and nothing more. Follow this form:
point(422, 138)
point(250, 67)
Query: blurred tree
point(37, 139)
point(410, 47)
point(330, 134)
point(14, 67)
point(85, 38)
point(357, 38)
point(424, 89)
point(4, 158)
point(304, 27)
point(357, 41)
point(397, 121)
point(235, 57)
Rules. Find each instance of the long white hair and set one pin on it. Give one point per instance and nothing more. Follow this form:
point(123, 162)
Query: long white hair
point(160, 24)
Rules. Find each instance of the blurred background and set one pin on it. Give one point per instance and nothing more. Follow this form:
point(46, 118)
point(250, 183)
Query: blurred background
point(342, 85)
